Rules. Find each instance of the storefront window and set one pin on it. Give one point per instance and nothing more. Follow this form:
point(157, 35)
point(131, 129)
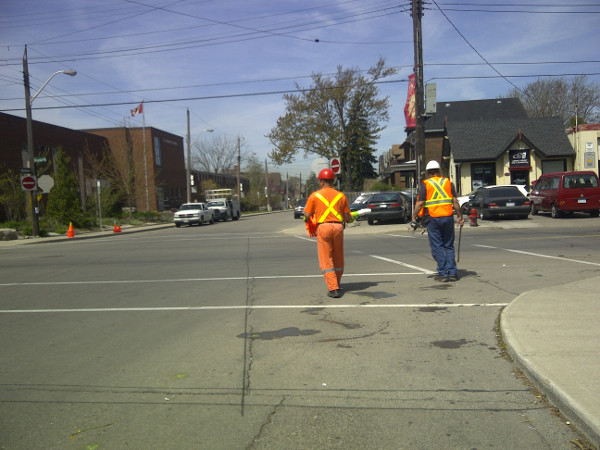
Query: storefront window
point(483, 175)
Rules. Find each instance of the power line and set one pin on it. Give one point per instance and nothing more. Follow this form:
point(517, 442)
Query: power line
point(288, 91)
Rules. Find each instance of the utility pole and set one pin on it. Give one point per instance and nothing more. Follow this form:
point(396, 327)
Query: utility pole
point(417, 13)
point(239, 159)
point(188, 170)
point(267, 193)
point(34, 210)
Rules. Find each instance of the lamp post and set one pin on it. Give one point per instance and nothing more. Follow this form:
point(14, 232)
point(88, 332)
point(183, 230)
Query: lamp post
point(189, 157)
point(35, 221)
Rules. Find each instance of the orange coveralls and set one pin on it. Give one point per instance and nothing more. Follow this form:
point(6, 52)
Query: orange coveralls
point(329, 207)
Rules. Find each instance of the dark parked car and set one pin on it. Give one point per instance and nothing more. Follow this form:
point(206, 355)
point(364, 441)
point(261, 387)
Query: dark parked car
point(360, 203)
point(388, 207)
point(500, 201)
point(299, 208)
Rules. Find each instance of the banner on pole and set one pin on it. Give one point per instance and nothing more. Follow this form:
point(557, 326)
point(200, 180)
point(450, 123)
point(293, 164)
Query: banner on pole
point(410, 107)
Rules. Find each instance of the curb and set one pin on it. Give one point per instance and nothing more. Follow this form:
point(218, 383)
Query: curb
point(569, 406)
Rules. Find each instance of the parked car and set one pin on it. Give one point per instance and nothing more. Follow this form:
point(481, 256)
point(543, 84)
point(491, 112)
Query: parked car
point(360, 203)
point(463, 200)
point(500, 201)
point(565, 193)
point(387, 207)
point(299, 208)
point(193, 213)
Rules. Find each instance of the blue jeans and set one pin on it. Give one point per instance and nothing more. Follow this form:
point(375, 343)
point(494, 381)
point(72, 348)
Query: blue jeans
point(441, 239)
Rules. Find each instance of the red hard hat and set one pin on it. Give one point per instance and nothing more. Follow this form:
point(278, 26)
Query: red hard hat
point(326, 174)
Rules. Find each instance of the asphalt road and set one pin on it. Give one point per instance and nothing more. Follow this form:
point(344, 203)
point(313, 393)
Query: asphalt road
point(222, 337)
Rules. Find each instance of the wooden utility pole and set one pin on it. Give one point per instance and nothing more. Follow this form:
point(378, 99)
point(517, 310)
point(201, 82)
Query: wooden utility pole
point(239, 162)
point(417, 13)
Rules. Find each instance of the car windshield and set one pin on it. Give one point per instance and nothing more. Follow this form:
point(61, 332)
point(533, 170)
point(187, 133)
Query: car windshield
point(216, 204)
point(301, 202)
point(191, 206)
point(508, 191)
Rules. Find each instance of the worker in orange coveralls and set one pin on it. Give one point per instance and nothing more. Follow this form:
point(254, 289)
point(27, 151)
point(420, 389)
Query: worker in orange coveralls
point(331, 210)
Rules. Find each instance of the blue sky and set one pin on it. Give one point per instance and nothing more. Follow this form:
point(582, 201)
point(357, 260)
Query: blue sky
point(226, 59)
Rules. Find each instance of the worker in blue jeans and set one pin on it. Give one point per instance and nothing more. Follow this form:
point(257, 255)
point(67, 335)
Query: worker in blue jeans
point(440, 201)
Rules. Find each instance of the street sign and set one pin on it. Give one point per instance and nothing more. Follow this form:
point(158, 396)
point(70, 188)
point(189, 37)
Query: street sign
point(40, 159)
point(28, 183)
point(45, 183)
point(335, 165)
point(25, 170)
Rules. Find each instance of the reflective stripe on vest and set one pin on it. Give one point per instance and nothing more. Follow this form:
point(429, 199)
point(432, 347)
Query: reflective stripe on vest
point(439, 197)
point(330, 206)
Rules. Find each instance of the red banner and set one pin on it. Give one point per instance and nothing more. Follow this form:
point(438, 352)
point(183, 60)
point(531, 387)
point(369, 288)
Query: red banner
point(409, 108)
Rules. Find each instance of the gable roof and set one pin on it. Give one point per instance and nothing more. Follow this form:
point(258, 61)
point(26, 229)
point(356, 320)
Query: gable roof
point(487, 140)
point(471, 110)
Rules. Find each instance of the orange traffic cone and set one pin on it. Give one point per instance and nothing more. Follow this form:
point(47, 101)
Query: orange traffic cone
point(115, 230)
point(118, 228)
point(70, 232)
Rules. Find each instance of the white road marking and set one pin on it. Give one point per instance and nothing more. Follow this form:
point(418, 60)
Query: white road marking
point(539, 255)
point(193, 280)
point(393, 261)
point(242, 307)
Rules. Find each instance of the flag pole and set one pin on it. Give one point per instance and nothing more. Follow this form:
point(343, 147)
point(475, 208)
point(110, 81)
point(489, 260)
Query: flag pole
point(145, 157)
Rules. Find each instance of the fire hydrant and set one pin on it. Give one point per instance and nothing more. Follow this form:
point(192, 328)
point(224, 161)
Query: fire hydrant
point(473, 217)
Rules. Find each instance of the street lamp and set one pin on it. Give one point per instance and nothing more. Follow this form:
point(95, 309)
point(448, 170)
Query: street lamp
point(188, 183)
point(35, 221)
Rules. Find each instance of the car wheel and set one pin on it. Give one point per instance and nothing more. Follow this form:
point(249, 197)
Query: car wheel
point(370, 221)
point(594, 213)
point(534, 210)
point(555, 212)
point(177, 225)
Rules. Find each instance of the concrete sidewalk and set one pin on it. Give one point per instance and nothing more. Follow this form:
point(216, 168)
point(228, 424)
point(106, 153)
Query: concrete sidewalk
point(553, 335)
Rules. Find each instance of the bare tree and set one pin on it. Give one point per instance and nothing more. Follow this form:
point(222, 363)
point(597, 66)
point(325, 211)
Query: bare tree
point(217, 153)
point(561, 97)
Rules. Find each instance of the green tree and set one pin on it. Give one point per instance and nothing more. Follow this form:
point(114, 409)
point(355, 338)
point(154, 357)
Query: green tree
point(63, 199)
point(339, 116)
point(12, 198)
point(255, 171)
point(312, 184)
point(561, 97)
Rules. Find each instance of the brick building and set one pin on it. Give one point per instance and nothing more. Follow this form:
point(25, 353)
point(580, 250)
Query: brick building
point(159, 173)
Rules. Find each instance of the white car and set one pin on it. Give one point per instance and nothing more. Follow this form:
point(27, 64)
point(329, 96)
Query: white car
point(193, 213)
point(463, 200)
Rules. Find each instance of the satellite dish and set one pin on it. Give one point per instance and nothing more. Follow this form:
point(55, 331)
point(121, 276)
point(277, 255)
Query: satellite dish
point(319, 164)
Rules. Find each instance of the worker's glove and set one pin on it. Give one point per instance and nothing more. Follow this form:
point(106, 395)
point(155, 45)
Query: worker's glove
point(414, 224)
point(304, 218)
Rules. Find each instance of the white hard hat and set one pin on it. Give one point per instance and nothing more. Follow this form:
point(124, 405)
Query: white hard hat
point(433, 165)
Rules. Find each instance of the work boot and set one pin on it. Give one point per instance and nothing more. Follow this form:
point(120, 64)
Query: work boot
point(453, 278)
point(440, 278)
point(336, 293)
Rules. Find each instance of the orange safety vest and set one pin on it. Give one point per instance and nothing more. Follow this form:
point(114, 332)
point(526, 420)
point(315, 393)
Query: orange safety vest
point(330, 208)
point(439, 197)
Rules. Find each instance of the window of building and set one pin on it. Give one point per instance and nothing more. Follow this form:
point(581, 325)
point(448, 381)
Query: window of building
point(483, 174)
point(157, 152)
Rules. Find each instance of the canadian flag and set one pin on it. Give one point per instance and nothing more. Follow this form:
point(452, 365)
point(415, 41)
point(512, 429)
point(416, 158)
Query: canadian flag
point(137, 110)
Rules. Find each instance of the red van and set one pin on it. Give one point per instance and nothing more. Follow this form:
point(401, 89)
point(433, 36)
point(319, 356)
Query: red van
point(565, 193)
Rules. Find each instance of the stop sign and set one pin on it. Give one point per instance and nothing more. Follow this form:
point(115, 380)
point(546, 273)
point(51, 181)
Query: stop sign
point(335, 165)
point(28, 183)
